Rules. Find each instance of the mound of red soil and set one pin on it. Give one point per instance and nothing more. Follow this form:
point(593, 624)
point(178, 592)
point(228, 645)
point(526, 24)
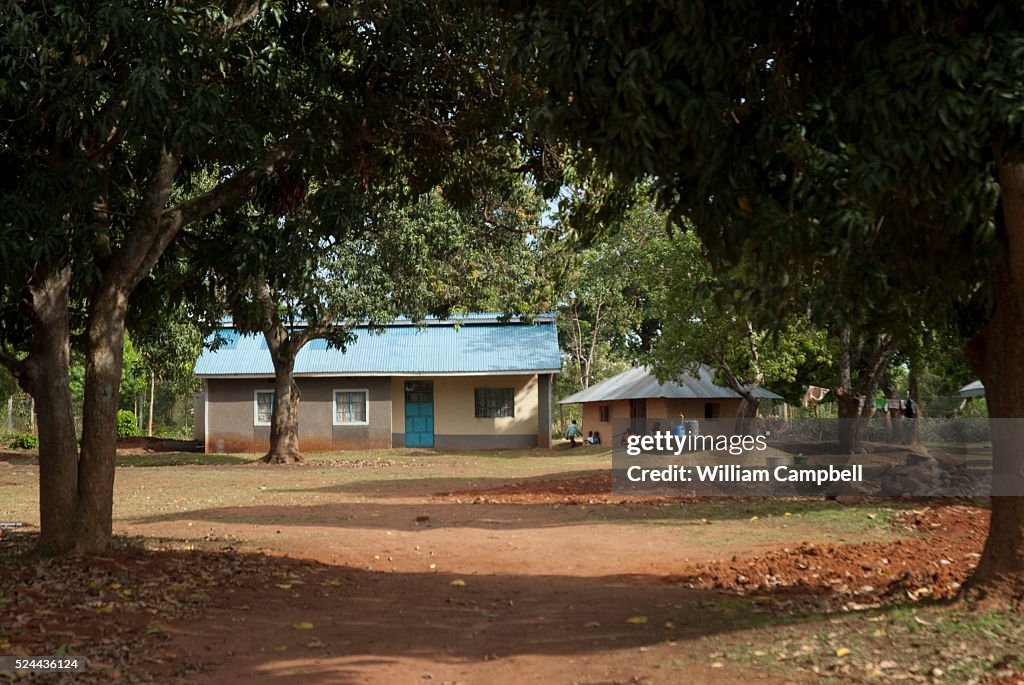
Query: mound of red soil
point(932, 562)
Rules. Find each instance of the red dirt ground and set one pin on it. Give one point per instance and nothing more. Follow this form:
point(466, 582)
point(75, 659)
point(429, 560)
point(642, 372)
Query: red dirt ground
point(933, 564)
point(216, 617)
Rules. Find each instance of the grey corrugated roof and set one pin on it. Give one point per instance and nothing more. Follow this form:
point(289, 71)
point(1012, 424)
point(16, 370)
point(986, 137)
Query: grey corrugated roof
point(973, 389)
point(639, 383)
point(440, 348)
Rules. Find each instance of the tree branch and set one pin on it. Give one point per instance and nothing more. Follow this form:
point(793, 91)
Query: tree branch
point(15, 366)
point(241, 15)
point(142, 246)
point(233, 188)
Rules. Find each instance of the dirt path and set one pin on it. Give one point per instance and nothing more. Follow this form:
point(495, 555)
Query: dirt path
point(398, 578)
point(499, 592)
point(411, 628)
point(421, 586)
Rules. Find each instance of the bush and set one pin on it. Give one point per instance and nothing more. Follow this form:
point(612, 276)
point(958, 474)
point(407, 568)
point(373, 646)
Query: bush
point(24, 441)
point(127, 424)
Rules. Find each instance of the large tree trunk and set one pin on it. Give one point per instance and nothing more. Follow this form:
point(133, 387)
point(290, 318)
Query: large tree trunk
point(284, 420)
point(44, 375)
point(76, 489)
point(997, 355)
point(747, 411)
point(104, 358)
point(855, 400)
point(849, 425)
point(912, 434)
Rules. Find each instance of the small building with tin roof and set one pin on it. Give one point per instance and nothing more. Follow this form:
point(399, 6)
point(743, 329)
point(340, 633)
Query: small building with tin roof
point(475, 382)
point(972, 390)
point(637, 395)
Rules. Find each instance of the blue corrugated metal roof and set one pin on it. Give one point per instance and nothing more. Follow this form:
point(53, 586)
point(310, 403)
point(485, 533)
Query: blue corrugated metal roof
point(439, 348)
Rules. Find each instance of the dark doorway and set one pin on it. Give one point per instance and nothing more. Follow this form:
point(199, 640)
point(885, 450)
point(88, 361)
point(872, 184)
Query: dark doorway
point(638, 415)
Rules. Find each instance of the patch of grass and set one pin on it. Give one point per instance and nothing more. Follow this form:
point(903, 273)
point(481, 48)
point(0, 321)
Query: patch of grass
point(914, 643)
point(833, 525)
point(180, 459)
point(838, 518)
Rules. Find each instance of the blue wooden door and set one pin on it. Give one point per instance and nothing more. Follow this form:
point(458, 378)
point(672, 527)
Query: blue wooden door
point(419, 413)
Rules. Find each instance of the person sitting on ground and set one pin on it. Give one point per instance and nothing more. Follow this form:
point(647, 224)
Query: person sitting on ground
point(596, 439)
point(573, 432)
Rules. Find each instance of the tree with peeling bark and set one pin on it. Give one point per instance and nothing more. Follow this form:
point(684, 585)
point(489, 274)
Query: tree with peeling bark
point(123, 123)
point(811, 134)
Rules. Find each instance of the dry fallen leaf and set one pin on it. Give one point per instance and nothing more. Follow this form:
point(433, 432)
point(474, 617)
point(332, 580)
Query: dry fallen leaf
point(303, 625)
point(918, 593)
point(458, 582)
point(636, 619)
point(842, 651)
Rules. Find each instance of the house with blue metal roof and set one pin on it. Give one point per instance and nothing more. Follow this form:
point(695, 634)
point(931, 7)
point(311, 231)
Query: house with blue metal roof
point(468, 383)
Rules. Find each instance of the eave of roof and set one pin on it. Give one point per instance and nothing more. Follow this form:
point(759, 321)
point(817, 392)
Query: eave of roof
point(456, 348)
point(973, 389)
point(640, 383)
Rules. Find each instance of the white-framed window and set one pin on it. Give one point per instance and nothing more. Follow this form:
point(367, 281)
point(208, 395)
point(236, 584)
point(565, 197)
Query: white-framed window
point(351, 407)
point(495, 403)
point(262, 407)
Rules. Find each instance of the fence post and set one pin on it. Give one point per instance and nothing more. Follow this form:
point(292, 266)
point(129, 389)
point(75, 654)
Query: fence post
point(152, 400)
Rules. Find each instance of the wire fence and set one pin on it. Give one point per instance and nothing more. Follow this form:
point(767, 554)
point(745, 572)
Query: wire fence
point(172, 414)
point(932, 407)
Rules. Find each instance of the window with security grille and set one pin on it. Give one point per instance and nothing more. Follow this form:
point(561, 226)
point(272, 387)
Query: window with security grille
point(349, 406)
point(495, 403)
point(264, 407)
